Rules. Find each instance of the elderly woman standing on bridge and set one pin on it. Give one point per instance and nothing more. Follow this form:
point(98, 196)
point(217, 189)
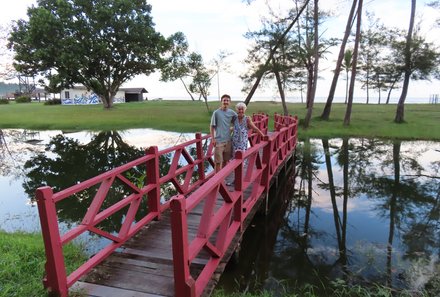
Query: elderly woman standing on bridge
point(241, 127)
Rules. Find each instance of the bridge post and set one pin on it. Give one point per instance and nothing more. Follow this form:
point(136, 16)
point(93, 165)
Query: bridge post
point(238, 186)
point(152, 178)
point(55, 280)
point(199, 152)
point(184, 284)
point(265, 180)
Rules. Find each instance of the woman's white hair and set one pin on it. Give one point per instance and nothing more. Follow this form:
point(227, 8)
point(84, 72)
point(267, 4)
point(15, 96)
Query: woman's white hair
point(240, 105)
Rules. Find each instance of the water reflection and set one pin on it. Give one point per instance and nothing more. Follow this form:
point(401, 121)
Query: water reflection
point(359, 210)
point(31, 159)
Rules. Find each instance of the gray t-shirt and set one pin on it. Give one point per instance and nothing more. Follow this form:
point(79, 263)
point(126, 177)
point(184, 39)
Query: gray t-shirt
point(221, 121)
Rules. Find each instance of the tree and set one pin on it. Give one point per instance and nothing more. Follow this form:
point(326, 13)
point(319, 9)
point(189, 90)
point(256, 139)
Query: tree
point(348, 58)
point(272, 52)
point(99, 43)
point(435, 4)
point(373, 45)
point(407, 54)
point(354, 64)
point(7, 70)
point(219, 64)
point(423, 64)
point(202, 82)
point(284, 64)
point(328, 105)
point(312, 79)
point(177, 66)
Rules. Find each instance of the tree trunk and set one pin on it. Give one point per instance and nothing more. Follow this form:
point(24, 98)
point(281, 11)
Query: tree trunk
point(346, 87)
point(328, 106)
point(345, 191)
point(392, 207)
point(187, 90)
point(206, 103)
point(107, 101)
point(400, 112)
point(281, 90)
point(332, 190)
point(389, 92)
point(314, 81)
point(354, 65)
point(368, 85)
point(271, 53)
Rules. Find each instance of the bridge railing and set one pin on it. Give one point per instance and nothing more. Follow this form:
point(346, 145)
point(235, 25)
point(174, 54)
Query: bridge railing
point(197, 256)
point(185, 169)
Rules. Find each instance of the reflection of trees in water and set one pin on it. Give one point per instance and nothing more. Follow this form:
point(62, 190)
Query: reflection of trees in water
point(410, 200)
point(15, 146)
point(71, 162)
point(395, 186)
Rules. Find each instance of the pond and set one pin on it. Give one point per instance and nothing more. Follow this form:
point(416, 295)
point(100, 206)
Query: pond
point(29, 159)
point(358, 210)
point(362, 210)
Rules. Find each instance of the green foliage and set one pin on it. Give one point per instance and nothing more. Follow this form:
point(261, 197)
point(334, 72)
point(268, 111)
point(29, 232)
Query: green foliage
point(23, 99)
point(22, 264)
point(53, 102)
point(182, 65)
point(4, 101)
point(100, 44)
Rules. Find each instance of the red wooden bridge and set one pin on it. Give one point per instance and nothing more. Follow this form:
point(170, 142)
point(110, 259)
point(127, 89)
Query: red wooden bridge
point(177, 247)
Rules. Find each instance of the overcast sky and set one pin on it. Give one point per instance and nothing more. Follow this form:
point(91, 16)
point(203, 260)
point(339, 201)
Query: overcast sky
point(212, 26)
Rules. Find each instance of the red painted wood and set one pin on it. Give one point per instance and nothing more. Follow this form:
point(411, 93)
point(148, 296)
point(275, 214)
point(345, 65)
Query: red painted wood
point(219, 223)
point(55, 280)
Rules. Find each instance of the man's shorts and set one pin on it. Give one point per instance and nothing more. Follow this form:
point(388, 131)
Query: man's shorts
point(223, 152)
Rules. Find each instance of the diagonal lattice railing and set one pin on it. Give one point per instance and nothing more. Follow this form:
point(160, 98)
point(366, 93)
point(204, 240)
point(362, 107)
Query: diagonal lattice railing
point(183, 167)
point(185, 170)
point(220, 224)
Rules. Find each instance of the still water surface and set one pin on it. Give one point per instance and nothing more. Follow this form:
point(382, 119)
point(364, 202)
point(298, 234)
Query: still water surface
point(359, 210)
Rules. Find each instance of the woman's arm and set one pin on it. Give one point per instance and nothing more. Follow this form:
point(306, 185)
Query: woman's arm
point(252, 125)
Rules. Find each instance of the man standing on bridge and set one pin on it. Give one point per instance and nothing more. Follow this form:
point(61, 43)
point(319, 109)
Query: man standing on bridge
point(221, 122)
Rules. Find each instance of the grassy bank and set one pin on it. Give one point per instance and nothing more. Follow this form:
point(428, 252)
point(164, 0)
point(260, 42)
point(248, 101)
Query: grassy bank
point(22, 264)
point(422, 120)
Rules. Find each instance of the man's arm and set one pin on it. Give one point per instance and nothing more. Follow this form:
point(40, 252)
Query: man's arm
point(212, 128)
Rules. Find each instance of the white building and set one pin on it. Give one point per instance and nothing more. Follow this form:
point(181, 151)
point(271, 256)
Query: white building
point(80, 95)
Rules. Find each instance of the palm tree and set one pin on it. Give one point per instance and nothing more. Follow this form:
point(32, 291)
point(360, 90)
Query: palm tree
point(348, 59)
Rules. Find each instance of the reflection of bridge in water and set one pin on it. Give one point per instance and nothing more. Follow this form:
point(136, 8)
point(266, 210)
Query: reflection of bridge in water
point(177, 247)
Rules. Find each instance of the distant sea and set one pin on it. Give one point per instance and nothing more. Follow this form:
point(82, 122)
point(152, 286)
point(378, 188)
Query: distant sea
point(362, 100)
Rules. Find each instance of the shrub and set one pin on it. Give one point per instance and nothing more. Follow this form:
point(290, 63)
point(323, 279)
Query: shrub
point(4, 101)
point(53, 102)
point(23, 99)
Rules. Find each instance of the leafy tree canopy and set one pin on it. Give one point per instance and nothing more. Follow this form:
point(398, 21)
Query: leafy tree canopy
point(98, 43)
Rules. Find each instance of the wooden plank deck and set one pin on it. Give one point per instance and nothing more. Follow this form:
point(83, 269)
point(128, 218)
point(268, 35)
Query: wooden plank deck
point(143, 267)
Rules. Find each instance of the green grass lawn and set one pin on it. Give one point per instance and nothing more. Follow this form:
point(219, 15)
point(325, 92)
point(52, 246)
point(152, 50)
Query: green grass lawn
point(422, 120)
point(22, 264)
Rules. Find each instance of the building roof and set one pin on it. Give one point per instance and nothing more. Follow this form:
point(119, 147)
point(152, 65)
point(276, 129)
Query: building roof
point(134, 90)
point(126, 90)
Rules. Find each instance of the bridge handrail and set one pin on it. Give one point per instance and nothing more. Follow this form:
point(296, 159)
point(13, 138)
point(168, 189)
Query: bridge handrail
point(227, 219)
point(56, 279)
